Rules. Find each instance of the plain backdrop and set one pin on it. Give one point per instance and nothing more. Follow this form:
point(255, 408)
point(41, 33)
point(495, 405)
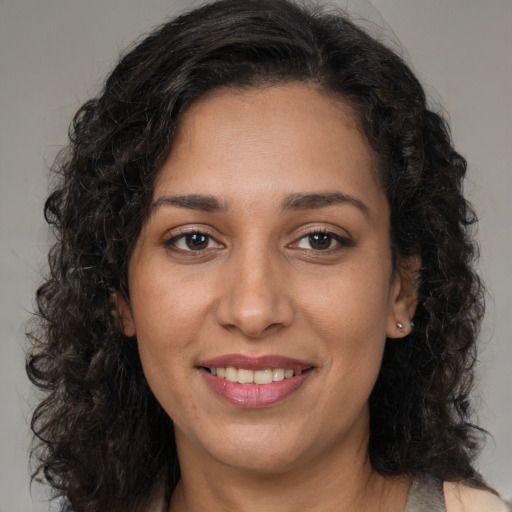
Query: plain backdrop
point(54, 54)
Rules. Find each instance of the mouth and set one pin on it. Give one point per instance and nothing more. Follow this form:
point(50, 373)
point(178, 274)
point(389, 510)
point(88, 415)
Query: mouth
point(262, 377)
point(255, 382)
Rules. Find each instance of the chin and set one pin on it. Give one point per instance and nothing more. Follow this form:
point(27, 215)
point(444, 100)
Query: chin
point(260, 461)
point(264, 449)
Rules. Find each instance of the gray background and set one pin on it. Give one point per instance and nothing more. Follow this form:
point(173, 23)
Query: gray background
point(54, 55)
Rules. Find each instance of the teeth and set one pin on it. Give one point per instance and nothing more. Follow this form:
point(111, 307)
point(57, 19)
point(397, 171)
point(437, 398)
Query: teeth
point(231, 374)
point(278, 374)
point(262, 376)
point(243, 376)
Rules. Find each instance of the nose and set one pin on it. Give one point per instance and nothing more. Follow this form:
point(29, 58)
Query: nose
point(255, 296)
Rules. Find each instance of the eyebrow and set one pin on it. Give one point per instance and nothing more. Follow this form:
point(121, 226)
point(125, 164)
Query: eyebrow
point(310, 201)
point(200, 202)
point(321, 200)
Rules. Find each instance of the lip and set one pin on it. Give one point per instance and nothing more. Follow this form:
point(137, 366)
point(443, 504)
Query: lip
point(256, 363)
point(255, 395)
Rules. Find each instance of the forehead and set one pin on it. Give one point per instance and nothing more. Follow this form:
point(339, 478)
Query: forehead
point(282, 139)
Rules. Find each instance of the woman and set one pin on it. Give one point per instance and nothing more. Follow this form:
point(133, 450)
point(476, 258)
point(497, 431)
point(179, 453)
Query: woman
point(262, 294)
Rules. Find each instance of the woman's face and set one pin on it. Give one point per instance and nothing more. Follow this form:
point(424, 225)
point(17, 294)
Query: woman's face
point(266, 259)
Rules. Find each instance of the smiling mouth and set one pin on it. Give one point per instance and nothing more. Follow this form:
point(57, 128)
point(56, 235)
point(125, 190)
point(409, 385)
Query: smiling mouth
point(255, 382)
point(246, 376)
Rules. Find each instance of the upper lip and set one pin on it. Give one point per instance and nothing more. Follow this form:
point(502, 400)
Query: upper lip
point(255, 363)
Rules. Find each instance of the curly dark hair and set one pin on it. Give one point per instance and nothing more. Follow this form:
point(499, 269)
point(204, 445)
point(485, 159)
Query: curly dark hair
point(103, 441)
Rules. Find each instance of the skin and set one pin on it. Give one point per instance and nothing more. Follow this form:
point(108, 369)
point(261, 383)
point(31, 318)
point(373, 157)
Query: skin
point(258, 287)
point(461, 498)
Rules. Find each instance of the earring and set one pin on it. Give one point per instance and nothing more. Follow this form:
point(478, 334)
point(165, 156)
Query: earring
point(399, 326)
point(411, 325)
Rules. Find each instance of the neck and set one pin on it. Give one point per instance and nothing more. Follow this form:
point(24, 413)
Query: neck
point(333, 482)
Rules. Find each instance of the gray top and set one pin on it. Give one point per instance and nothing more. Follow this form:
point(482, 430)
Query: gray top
point(426, 495)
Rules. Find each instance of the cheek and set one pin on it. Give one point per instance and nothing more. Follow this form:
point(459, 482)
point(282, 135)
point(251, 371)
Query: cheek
point(167, 319)
point(348, 313)
point(167, 309)
point(352, 303)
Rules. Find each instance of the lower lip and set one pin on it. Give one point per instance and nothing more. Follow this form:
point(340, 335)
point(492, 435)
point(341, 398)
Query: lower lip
point(254, 395)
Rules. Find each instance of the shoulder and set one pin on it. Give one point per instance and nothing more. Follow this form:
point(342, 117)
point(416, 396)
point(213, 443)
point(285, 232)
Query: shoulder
point(462, 498)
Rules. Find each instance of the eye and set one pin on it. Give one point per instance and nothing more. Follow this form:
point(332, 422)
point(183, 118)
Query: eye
point(321, 241)
point(192, 241)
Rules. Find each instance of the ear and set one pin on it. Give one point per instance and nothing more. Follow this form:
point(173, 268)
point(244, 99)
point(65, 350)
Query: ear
point(404, 297)
point(122, 314)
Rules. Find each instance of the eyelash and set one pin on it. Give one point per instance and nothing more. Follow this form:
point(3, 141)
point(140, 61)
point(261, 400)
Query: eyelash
point(339, 240)
point(172, 242)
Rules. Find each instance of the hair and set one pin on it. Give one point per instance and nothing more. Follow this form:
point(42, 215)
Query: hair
point(103, 441)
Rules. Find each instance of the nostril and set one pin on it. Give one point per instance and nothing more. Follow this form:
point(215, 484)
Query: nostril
point(271, 327)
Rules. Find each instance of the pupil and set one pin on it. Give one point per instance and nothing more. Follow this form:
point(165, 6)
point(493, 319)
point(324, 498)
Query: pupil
point(320, 240)
point(197, 241)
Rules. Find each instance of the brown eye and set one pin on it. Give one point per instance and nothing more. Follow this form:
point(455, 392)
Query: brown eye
point(193, 241)
point(197, 241)
point(323, 241)
point(320, 241)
